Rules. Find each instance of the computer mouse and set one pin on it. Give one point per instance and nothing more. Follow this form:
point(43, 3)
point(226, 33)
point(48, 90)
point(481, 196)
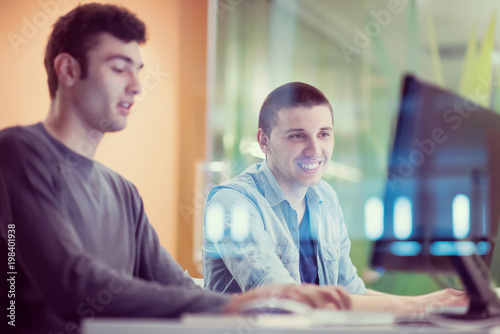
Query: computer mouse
point(274, 306)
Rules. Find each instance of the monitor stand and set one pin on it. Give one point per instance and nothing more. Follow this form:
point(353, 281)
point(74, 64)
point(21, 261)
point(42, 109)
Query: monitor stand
point(484, 301)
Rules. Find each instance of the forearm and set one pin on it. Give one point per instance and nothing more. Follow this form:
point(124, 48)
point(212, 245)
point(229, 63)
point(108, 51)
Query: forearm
point(370, 292)
point(380, 302)
point(377, 301)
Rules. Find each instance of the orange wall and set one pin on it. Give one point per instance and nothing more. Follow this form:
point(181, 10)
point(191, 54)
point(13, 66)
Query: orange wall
point(192, 99)
point(147, 151)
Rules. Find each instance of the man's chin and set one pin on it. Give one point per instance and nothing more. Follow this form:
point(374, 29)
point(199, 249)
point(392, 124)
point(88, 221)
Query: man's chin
point(112, 123)
point(113, 126)
point(118, 128)
point(310, 182)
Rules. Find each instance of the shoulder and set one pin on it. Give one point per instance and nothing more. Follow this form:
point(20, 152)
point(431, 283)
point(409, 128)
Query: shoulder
point(23, 143)
point(245, 183)
point(27, 159)
point(23, 135)
point(244, 189)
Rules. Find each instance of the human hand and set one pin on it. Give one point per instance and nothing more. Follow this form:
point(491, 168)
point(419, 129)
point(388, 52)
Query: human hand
point(331, 297)
point(441, 298)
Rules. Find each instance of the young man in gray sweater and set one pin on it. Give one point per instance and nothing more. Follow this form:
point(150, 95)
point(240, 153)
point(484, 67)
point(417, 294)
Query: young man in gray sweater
point(74, 232)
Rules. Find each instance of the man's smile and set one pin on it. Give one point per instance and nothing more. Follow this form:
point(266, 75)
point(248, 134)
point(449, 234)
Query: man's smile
point(310, 166)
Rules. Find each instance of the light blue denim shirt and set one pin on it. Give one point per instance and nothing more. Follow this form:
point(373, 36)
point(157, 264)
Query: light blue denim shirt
point(251, 235)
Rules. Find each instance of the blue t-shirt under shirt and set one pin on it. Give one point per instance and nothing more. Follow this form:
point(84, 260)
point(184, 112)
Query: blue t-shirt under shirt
point(308, 263)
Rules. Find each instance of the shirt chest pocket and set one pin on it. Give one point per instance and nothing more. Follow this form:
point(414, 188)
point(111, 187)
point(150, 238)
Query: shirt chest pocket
point(286, 253)
point(331, 253)
point(331, 260)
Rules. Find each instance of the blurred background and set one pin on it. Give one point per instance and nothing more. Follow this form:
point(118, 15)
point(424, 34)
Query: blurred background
point(209, 64)
point(356, 53)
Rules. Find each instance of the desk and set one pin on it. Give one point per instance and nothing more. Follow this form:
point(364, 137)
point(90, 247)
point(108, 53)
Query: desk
point(157, 326)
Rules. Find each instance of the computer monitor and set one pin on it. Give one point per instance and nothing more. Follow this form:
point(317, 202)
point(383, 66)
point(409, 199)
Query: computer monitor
point(442, 198)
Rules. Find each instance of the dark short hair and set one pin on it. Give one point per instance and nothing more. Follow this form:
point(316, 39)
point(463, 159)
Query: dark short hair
point(289, 95)
point(77, 31)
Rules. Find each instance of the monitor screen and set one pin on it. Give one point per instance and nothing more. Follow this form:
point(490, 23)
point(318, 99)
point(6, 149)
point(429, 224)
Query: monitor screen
point(442, 198)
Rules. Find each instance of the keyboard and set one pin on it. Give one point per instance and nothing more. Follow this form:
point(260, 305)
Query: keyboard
point(321, 318)
point(315, 318)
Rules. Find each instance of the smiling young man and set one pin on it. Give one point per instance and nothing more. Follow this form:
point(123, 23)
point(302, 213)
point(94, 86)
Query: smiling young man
point(279, 222)
point(75, 232)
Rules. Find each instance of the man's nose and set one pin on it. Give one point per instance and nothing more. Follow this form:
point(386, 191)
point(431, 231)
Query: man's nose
point(134, 86)
point(313, 147)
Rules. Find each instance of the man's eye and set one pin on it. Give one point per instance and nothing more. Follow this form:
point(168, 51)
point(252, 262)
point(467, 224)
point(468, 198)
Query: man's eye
point(118, 70)
point(296, 136)
point(324, 134)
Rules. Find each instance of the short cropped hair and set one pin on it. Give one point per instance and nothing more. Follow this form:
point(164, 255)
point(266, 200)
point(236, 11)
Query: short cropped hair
point(77, 31)
point(289, 95)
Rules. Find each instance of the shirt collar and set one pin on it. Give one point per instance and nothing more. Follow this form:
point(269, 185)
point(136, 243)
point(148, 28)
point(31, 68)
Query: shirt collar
point(272, 191)
point(313, 195)
point(71, 158)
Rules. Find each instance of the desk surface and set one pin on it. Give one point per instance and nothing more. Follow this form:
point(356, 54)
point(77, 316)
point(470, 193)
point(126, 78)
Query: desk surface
point(244, 325)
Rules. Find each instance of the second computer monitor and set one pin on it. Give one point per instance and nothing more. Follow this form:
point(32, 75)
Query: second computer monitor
point(443, 190)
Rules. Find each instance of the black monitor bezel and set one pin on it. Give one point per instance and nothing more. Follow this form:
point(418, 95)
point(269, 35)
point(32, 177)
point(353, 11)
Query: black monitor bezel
point(412, 89)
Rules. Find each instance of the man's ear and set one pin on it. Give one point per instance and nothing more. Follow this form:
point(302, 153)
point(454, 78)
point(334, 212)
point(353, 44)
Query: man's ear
point(263, 140)
point(67, 69)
